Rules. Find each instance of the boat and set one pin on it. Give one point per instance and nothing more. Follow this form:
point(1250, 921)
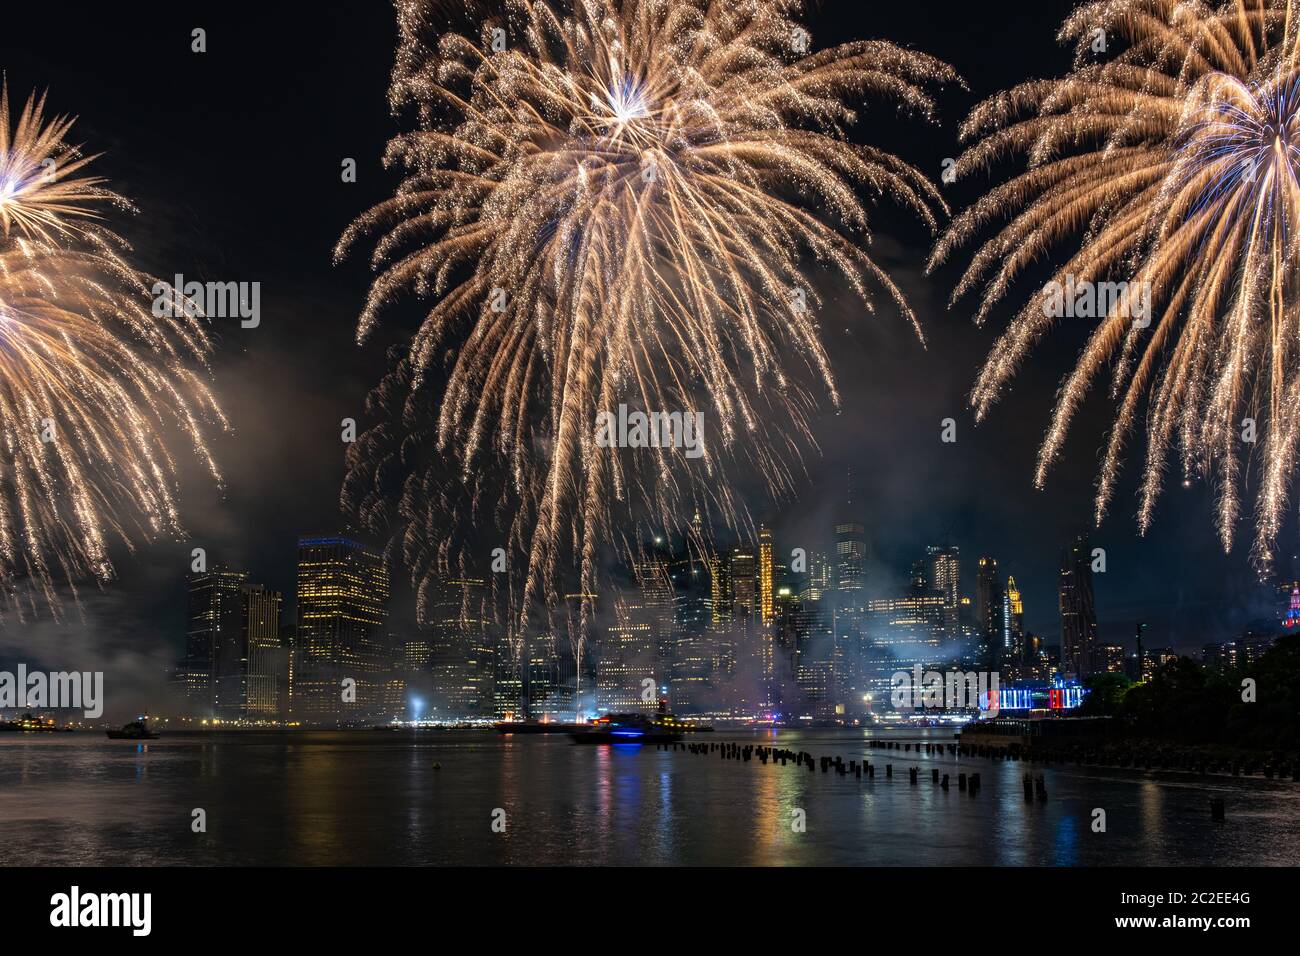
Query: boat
point(29, 724)
point(661, 727)
point(135, 730)
point(626, 729)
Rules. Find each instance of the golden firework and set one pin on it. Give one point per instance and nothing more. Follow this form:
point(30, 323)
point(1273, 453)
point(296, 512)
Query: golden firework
point(91, 379)
point(617, 202)
point(1173, 160)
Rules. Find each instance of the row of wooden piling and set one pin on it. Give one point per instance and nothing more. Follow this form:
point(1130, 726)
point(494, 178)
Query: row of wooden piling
point(1035, 786)
point(727, 750)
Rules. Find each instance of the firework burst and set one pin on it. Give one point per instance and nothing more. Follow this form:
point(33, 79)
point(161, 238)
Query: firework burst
point(1176, 161)
point(90, 379)
point(634, 184)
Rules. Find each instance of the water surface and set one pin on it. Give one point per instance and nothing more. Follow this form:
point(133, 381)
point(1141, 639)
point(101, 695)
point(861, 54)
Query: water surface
point(367, 797)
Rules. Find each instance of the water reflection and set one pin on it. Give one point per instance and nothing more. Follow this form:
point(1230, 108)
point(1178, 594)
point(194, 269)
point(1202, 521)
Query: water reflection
point(358, 798)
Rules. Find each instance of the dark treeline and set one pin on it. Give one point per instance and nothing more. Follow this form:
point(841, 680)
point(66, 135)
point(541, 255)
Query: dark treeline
point(1189, 702)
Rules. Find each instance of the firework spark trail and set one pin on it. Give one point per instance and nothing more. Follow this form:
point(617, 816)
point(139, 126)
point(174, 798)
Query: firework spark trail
point(90, 379)
point(643, 180)
point(1176, 160)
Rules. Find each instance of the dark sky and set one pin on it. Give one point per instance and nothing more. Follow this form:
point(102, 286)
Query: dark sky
point(233, 157)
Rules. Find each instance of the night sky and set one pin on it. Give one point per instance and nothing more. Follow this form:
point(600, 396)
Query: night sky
point(233, 157)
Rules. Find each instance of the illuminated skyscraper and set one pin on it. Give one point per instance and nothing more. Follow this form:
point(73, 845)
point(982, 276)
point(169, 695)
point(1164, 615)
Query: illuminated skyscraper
point(943, 575)
point(212, 673)
point(744, 585)
point(990, 612)
point(460, 654)
point(817, 581)
point(341, 637)
point(766, 584)
point(911, 626)
point(654, 605)
point(1078, 613)
point(265, 656)
point(694, 654)
point(233, 664)
point(722, 591)
point(850, 556)
point(850, 548)
point(1015, 622)
point(818, 666)
point(627, 659)
point(850, 609)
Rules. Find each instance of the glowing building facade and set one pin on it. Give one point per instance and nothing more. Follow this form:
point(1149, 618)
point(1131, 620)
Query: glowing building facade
point(342, 660)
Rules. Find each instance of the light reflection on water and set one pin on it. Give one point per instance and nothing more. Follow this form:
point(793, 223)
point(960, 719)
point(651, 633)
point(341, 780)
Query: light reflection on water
point(364, 797)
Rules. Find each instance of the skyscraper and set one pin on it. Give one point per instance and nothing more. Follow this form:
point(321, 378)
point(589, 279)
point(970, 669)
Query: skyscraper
point(656, 606)
point(1015, 624)
point(214, 642)
point(627, 657)
point(850, 610)
point(767, 653)
point(943, 575)
point(722, 591)
point(818, 665)
point(264, 655)
point(766, 582)
point(910, 627)
point(817, 581)
point(340, 640)
point(694, 654)
point(1078, 612)
point(744, 585)
point(990, 612)
point(460, 655)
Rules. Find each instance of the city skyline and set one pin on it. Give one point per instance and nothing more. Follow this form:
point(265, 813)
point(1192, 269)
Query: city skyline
point(724, 632)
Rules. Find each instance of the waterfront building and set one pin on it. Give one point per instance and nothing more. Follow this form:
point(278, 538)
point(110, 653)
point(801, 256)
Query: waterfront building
point(1013, 611)
point(627, 659)
point(655, 606)
point(264, 659)
point(694, 653)
point(342, 659)
point(766, 579)
point(848, 576)
point(990, 612)
point(744, 585)
point(457, 644)
point(1078, 612)
point(211, 672)
point(943, 575)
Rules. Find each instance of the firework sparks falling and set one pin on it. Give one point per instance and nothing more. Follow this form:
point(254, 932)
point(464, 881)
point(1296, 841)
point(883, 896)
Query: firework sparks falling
point(1176, 159)
point(638, 182)
point(90, 379)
